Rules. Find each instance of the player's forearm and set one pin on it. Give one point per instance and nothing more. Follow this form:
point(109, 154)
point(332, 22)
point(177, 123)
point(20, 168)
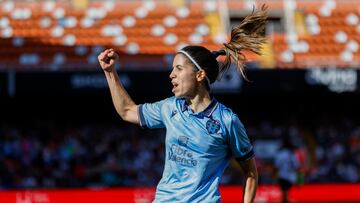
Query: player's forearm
point(250, 186)
point(121, 99)
point(250, 179)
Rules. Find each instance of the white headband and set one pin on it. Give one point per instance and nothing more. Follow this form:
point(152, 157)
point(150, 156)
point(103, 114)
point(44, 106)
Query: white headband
point(194, 62)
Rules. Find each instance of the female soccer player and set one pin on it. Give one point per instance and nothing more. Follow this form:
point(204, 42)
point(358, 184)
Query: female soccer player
point(201, 133)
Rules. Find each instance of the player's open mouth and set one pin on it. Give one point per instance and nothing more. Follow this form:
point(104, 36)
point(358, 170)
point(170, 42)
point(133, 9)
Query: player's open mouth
point(174, 86)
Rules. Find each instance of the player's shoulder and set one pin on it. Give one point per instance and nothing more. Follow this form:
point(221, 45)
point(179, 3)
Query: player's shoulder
point(171, 102)
point(227, 115)
point(174, 100)
point(225, 112)
point(168, 100)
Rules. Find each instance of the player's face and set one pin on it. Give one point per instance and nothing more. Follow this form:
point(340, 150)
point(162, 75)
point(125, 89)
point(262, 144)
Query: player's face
point(183, 77)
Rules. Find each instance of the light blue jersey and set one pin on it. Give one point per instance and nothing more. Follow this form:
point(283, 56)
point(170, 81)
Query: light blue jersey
point(198, 148)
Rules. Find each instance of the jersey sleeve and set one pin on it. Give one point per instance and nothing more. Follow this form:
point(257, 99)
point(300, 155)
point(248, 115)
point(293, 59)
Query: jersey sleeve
point(240, 145)
point(150, 114)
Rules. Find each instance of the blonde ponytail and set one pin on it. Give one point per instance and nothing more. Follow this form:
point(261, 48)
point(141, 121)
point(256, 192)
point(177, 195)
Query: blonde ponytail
point(249, 35)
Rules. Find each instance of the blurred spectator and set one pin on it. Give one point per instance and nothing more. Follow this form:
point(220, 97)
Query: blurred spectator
point(49, 154)
point(287, 166)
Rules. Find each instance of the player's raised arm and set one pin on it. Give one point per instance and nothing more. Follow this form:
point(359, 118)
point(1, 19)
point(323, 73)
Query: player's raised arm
point(123, 103)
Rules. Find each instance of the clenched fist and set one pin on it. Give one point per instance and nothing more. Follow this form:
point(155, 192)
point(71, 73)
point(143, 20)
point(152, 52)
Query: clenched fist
point(107, 59)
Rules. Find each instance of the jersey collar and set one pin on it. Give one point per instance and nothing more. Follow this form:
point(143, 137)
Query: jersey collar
point(207, 111)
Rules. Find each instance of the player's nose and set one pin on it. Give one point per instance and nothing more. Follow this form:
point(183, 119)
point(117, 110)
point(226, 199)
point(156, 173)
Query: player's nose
point(172, 74)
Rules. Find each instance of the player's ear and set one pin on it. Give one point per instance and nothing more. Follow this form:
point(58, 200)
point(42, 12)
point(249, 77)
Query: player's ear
point(200, 75)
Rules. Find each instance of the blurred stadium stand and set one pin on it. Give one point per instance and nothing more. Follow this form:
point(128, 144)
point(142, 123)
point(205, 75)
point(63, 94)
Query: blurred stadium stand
point(47, 34)
point(58, 128)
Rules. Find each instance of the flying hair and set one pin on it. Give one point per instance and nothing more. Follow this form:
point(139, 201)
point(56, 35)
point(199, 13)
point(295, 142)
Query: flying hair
point(249, 35)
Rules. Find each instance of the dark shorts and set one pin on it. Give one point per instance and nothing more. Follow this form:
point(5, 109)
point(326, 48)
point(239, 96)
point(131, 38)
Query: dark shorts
point(284, 184)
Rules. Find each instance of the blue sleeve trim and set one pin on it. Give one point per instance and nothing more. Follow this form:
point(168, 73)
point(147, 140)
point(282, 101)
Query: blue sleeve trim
point(141, 117)
point(247, 156)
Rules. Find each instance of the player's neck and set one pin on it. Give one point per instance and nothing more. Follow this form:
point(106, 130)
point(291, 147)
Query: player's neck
point(200, 101)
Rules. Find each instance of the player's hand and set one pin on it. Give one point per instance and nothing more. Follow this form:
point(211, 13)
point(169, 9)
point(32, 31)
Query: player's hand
point(107, 59)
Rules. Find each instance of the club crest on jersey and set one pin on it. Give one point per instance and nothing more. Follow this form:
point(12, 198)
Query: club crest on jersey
point(183, 140)
point(212, 126)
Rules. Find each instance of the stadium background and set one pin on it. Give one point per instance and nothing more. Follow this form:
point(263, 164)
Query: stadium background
point(62, 141)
